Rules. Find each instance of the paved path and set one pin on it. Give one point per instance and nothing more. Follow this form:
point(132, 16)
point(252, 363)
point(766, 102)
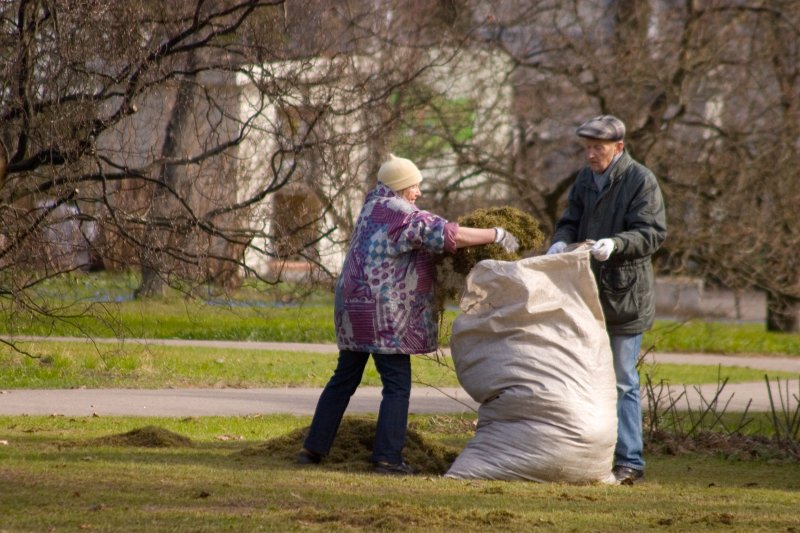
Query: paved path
point(301, 401)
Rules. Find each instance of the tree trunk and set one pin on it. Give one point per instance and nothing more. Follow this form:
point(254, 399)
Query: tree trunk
point(783, 313)
point(153, 260)
point(151, 285)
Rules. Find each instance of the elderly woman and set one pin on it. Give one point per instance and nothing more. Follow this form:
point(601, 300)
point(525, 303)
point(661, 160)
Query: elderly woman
point(384, 307)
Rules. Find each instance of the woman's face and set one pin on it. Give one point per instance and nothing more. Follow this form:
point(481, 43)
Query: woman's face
point(411, 193)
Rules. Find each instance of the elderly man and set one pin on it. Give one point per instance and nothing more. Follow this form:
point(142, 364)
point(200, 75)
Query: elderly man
point(616, 202)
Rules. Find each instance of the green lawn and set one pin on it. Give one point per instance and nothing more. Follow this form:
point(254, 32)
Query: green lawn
point(701, 336)
point(237, 474)
point(59, 365)
point(99, 305)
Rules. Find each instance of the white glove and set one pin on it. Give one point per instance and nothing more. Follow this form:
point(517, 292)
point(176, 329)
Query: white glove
point(602, 249)
point(557, 248)
point(506, 240)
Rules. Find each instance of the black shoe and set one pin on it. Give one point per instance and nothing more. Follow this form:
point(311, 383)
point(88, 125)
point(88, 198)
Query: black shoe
point(402, 469)
point(306, 457)
point(627, 475)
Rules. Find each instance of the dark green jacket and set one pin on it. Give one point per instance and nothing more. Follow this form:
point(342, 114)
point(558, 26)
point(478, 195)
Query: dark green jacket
point(629, 210)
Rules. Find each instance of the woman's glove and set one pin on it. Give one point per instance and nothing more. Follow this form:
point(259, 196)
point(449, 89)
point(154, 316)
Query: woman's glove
point(557, 248)
point(506, 240)
point(602, 249)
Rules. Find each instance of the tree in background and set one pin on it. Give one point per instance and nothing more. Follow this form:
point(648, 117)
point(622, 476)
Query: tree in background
point(710, 94)
point(194, 141)
point(206, 140)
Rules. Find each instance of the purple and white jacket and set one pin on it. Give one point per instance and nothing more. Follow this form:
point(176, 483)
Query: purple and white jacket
point(385, 293)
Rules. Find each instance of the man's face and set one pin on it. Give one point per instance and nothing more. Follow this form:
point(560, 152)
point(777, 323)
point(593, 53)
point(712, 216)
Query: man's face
point(600, 153)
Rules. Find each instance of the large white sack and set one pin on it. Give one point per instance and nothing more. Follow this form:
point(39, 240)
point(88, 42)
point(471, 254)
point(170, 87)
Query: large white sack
point(531, 347)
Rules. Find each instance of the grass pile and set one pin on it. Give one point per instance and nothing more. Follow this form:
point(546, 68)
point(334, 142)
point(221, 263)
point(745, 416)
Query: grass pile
point(146, 437)
point(523, 226)
point(452, 270)
point(353, 446)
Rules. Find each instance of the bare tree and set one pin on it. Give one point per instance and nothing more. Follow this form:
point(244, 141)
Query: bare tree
point(208, 140)
point(710, 94)
point(194, 141)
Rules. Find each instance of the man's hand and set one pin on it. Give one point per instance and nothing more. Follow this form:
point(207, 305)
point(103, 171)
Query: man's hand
point(602, 249)
point(557, 248)
point(505, 239)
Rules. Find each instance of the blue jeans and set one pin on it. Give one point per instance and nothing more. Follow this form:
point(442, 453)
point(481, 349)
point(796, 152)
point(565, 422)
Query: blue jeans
point(390, 435)
point(629, 450)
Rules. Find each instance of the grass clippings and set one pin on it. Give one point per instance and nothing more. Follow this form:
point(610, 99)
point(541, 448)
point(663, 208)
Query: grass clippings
point(451, 270)
point(352, 448)
point(146, 437)
point(523, 226)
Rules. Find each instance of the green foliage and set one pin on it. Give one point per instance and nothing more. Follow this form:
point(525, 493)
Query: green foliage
point(180, 318)
point(673, 374)
point(99, 305)
point(431, 123)
point(73, 365)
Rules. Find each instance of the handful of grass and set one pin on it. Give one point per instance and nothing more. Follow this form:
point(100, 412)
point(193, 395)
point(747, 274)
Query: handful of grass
point(451, 270)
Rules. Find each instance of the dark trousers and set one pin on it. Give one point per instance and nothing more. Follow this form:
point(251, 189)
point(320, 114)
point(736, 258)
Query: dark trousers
point(390, 435)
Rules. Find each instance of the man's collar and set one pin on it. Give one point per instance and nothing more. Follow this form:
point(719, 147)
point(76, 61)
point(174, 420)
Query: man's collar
point(610, 166)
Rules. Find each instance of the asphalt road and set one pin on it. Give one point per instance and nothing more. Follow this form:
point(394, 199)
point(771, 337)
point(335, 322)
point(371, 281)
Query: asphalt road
point(302, 401)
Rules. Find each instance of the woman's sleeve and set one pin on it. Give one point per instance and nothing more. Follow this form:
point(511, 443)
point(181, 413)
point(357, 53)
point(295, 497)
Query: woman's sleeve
point(450, 231)
point(424, 230)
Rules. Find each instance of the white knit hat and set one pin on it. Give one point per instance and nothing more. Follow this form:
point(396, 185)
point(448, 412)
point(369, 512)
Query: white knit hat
point(398, 173)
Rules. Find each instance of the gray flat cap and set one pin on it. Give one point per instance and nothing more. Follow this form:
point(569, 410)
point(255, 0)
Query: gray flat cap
point(604, 127)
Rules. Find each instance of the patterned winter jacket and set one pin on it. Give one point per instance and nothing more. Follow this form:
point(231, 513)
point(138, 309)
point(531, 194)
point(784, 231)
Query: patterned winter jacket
point(384, 295)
